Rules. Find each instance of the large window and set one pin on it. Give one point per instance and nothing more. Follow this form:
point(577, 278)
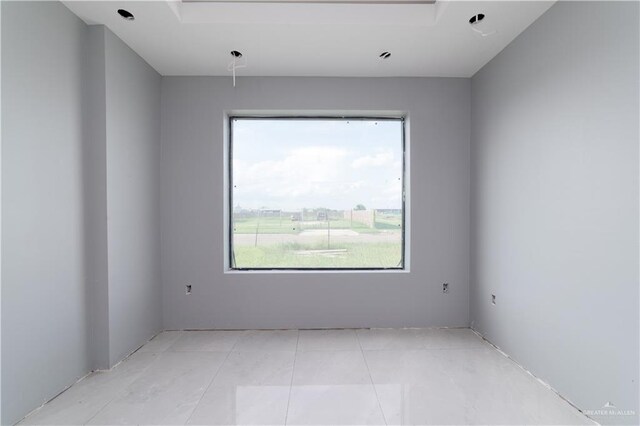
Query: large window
point(316, 193)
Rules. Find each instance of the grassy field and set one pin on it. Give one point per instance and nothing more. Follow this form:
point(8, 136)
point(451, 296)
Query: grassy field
point(388, 221)
point(275, 225)
point(265, 225)
point(385, 254)
point(375, 255)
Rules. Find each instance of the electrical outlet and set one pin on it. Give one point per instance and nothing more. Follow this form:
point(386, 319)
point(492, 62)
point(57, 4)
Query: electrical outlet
point(187, 289)
point(493, 299)
point(445, 288)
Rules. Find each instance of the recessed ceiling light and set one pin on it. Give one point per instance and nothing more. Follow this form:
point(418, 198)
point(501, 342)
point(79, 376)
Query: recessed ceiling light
point(125, 14)
point(385, 55)
point(236, 54)
point(476, 18)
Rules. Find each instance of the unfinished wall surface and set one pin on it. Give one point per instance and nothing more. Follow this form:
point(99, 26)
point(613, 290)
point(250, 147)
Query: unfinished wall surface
point(133, 160)
point(555, 203)
point(192, 208)
point(44, 315)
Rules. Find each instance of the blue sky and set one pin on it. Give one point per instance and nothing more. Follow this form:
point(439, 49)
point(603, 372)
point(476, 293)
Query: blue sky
point(337, 164)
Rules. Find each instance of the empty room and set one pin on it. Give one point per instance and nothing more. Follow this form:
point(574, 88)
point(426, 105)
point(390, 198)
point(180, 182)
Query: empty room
point(319, 212)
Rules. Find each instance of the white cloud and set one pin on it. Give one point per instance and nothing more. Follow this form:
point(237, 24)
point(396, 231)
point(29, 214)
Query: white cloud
point(304, 171)
point(383, 158)
point(316, 176)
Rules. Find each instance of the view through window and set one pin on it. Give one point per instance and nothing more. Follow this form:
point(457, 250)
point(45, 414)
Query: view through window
point(316, 193)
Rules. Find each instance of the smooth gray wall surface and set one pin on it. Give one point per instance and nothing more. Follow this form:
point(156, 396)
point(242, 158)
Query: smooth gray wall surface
point(44, 315)
point(0, 213)
point(555, 202)
point(95, 189)
point(133, 160)
point(192, 209)
point(80, 180)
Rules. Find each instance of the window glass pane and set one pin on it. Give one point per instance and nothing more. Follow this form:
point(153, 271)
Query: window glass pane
point(316, 193)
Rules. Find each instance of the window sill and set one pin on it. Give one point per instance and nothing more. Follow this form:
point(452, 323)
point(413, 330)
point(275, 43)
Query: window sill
point(316, 271)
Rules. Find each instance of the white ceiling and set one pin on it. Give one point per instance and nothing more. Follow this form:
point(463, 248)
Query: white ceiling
point(306, 38)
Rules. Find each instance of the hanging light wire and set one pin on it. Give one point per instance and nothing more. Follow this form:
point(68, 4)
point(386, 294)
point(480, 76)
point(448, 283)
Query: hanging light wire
point(238, 61)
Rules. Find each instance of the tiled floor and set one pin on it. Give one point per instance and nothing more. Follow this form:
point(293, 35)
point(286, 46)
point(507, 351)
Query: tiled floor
point(380, 376)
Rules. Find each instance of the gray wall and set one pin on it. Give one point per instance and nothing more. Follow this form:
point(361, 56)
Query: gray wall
point(133, 160)
point(79, 291)
point(44, 317)
point(555, 202)
point(193, 111)
point(0, 213)
point(95, 184)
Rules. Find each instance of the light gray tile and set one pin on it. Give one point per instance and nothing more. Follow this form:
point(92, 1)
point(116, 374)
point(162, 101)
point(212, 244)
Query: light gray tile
point(554, 410)
point(86, 398)
point(454, 378)
point(161, 342)
point(330, 368)
point(335, 405)
point(463, 387)
point(268, 340)
point(256, 368)
point(328, 340)
point(244, 404)
point(391, 339)
point(447, 402)
point(418, 338)
point(406, 367)
point(455, 338)
point(437, 403)
point(206, 341)
point(167, 392)
point(477, 368)
point(503, 393)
